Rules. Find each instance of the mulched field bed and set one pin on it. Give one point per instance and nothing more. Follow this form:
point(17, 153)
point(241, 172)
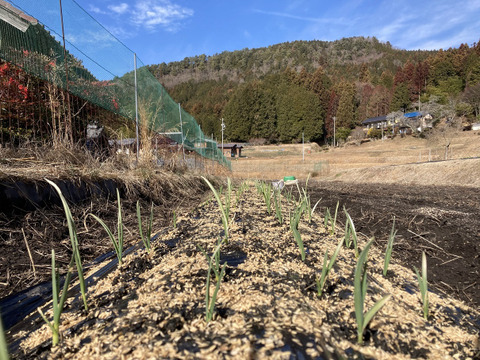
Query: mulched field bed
point(27, 237)
point(443, 221)
point(153, 305)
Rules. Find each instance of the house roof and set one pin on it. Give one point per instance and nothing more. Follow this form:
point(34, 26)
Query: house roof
point(230, 146)
point(374, 120)
point(413, 114)
point(15, 17)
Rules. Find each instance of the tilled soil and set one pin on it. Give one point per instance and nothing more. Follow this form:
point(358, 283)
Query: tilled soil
point(153, 305)
point(442, 221)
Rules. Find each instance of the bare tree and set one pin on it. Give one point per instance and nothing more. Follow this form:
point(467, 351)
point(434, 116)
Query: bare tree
point(357, 135)
point(444, 133)
point(472, 97)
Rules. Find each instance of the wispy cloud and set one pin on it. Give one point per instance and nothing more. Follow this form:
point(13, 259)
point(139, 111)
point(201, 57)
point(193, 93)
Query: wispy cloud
point(338, 21)
point(441, 28)
point(153, 13)
point(119, 9)
point(96, 10)
point(150, 15)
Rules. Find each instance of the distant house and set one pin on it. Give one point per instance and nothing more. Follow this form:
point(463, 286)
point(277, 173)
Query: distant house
point(416, 121)
point(375, 122)
point(231, 150)
point(476, 126)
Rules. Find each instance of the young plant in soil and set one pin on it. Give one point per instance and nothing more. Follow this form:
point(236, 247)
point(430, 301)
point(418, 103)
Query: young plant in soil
point(72, 230)
point(328, 218)
point(174, 219)
point(423, 285)
point(294, 221)
point(326, 268)
point(288, 195)
point(146, 238)
point(277, 201)
point(57, 304)
point(388, 251)
point(360, 292)
point(266, 192)
point(350, 232)
point(221, 207)
point(240, 190)
point(213, 264)
point(117, 243)
point(228, 197)
point(307, 200)
point(3, 343)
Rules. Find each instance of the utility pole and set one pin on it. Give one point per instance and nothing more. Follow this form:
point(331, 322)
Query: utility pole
point(303, 146)
point(334, 118)
point(223, 128)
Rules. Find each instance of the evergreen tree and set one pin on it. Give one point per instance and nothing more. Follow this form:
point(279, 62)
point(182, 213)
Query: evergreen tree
point(239, 113)
point(400, 98)
point(346, 116)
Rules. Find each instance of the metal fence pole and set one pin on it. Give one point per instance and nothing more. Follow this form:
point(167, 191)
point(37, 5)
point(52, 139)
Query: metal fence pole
point(181, 130)
point(136, 104)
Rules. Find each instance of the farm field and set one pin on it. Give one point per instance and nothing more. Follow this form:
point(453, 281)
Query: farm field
point(435, 203)
point(153, 305)
point(398, 160)
point(431, 215)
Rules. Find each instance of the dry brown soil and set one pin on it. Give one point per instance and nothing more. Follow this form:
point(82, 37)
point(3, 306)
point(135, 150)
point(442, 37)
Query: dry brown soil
point(443, 221)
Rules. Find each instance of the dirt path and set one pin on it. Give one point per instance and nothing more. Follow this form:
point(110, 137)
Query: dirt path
point(442, 221)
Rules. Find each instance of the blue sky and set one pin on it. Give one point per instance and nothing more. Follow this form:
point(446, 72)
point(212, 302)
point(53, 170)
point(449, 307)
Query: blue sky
point(169, 30)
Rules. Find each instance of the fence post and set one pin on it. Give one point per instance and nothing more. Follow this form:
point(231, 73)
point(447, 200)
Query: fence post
point(136, 104)
point(181, 130)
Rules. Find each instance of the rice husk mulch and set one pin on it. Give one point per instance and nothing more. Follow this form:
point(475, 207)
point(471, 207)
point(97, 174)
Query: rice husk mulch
point(153, 305)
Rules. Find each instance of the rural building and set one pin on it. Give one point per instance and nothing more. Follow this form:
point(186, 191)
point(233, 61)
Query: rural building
point(476, 126)
point(231, 150)
point(416, 121)
point(375, 122)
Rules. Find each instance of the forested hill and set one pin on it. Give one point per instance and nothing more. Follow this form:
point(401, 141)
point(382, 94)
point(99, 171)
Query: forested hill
point(339, 58)
point(278, 92)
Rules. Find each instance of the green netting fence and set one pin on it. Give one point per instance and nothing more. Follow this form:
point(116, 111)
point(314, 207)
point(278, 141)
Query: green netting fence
point(95, 66)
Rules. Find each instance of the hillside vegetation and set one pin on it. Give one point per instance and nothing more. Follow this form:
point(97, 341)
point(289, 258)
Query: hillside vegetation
point(279, 92)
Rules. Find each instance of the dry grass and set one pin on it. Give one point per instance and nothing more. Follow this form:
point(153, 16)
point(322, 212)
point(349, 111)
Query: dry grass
point(376, 161)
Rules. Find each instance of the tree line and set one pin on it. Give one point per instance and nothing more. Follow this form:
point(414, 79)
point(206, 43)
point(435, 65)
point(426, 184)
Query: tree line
point(288, 90)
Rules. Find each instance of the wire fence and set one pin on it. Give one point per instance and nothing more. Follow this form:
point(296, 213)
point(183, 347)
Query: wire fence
point(52, 92)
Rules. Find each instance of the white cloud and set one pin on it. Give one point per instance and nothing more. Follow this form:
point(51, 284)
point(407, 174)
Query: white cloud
point(96, 10)
point(338, 21)
point(153, 13)
point(119, 9)
point(101, 39)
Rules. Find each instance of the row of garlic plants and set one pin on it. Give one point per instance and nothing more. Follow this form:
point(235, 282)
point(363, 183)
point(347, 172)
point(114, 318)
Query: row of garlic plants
point(298, 208)
point(60, 296)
